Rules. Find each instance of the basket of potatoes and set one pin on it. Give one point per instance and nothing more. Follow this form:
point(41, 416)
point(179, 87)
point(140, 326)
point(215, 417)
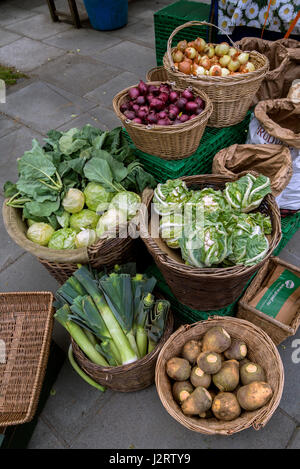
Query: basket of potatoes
point(220, 376)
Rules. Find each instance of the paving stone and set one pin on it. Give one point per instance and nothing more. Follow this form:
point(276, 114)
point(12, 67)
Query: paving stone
point(7, 125)
point(26, 4)
point(38, 27)
point(137, 31)
point(6, 37)
point(26, 54)
point(148, 425)
point(290, 354)
point(13, 146)
point(61, 5)
point(107, 119)
point(77, 74)
point(295, 442)
point(122, 54)
point(43, 106)
point(71, 409)
point(27, 274)
point(44, 438)
point(10, 14)
point(84, 40)
point(9, 250)
point(104, 94)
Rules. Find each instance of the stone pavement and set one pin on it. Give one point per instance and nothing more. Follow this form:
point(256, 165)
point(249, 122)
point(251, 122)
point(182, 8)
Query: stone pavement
point(73, 75)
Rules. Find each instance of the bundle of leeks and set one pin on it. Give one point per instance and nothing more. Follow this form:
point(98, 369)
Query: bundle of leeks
point(114, 318)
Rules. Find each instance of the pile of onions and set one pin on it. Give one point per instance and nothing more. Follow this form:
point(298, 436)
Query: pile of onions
point(160, 105)
point(199, 58)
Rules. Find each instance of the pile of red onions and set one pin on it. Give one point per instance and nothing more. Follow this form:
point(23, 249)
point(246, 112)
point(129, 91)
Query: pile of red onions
point(160, 105)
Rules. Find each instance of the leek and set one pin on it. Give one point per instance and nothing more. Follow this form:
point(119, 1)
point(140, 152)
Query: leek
point(81, 373)
point(145, 307)
point(156, 323)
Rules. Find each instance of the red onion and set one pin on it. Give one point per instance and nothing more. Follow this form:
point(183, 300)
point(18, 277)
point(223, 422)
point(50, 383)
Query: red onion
point(198, 111)
point(130, 104)
point(181, 102)
point(143, 88)
point(163, 122)
point(177, 121)
point(142, 114)
point(200, 103)
point(152, 118)
point(157, 104)
point(140, 100)
point(193, 116)
point(184, 118)
point(133, 93)
point(153, 89)
point(163, 97)
point(173, 112)
point(129, 114)
point(164, 88)
point(162, 115)
point(124, 107)
point(173, 96)
point(135, 107)
point(137, 120)
point(145, 109)
point(191, 107)
point(187, 94)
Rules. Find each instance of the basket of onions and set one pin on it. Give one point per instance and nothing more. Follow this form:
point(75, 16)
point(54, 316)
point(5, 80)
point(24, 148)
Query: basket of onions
point(163, 120)
point(229, 76)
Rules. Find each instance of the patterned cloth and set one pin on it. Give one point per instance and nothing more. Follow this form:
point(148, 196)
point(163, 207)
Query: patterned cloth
point(233, 13)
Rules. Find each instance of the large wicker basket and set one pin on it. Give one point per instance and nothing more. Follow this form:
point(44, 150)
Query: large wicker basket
point(231, 96)
point(261, 350)
point(127, 378)
point(157, 74)
point(205, 288)
point(63, 263)
point(168, 142)
point(26, 321)
point(274, 328)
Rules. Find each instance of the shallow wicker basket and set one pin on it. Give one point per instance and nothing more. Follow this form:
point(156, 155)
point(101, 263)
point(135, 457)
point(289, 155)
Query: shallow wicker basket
point(274, 328)
point(205, 289)
point(231, 96)
point(26, 321)
point(157, 74)
point(127, 378)
point(261, 350)
point(170, 142)
point(63, 263)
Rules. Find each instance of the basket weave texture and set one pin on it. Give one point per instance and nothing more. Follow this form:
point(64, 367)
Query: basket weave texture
point(127, 378)
point(206, 288)
point(26, 321)
point(261, 350)
point(168, 142)
point(157, 74)
point(274, 328)
point(232, 95)
point(63, 263)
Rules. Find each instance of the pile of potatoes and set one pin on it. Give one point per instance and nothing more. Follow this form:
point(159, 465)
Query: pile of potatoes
point(214, 378)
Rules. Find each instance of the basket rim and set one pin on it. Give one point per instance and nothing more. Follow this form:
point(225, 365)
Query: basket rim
point(197, 272)
point(195, 122)
point(259, 417)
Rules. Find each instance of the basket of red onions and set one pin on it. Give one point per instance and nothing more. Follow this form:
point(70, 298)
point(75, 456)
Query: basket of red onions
point(163, 120)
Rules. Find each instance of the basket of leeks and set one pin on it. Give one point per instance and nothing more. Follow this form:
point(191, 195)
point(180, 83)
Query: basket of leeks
point(118, 325)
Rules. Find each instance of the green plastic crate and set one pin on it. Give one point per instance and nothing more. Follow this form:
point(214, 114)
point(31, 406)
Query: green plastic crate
point(200, 162)
point(289, 226)
point(172, 16)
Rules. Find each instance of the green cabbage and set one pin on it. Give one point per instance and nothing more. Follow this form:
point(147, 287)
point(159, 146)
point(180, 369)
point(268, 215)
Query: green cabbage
point(170, 196)
point(128, 202)
point(85, 238)
point(63, 239)
point(110, 220)
point(97, 198)
point(247, 249)
point(73, 202)
point(83, 220)
point(247, 193)
point(171, 229)
point(212, 202)
point(40, 233)
point(64, 219)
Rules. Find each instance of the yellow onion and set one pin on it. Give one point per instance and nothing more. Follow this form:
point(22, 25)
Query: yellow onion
point(209, 50)
point(222, 49)
point(225, 72)
point(233, 65)
point(198, 70)
point(232, 52)
point(205, 62)
point(215, 71)
point(182, 45)
point(199, 44)
point(177, 56)
point(185, 67)
point(243, 58)
point(190, 52)
point(247, 68)
point(224, 61)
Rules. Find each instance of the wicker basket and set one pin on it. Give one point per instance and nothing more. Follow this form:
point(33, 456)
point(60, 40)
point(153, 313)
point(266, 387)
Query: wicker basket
point(168, 142)
point(260, 350)
point(274, 328)
point(63, 263)
point(26, 321)
point(127, 378)
point(157, 74)
point(231, 96)
point(206, 288)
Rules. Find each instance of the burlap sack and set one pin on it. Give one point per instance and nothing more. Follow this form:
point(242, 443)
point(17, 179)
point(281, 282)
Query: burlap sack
point(273, 161)
point(284, 58)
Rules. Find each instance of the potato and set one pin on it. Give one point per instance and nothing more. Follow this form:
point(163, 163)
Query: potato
point(191, 351)
point(216, 340)
point(225, 406)
point(228, 377)
point(199, 401)
point(254, 395)
point(206, 415)
point(209, 362)
point(199, 378)
point(244, 361)
point(251, 372)
point(178, 369)
point(181, 390)
point(237, 350)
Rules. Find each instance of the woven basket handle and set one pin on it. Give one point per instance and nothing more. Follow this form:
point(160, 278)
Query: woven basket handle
point(186, 25)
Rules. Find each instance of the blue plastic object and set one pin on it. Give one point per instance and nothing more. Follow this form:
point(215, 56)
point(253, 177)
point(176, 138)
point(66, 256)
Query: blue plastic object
point(106, 15)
